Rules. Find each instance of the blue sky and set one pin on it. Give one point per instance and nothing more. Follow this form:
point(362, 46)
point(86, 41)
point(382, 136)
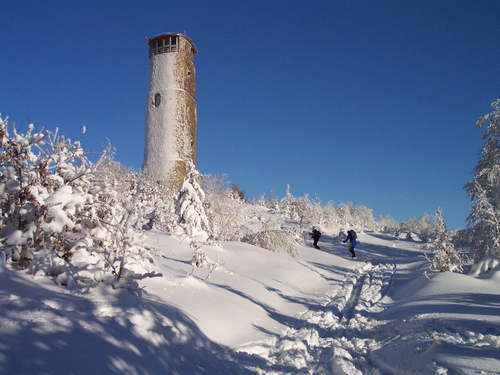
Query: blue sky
point(370, 102)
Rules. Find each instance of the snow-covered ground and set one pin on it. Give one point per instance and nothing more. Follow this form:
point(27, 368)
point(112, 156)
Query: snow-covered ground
point(260, 313)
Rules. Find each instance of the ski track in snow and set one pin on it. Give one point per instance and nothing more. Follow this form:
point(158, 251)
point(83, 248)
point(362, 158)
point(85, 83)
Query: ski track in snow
point(341, 336)
point(335, 338)
point(355, 328)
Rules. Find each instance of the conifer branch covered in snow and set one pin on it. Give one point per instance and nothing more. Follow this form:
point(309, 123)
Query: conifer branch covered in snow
point(483, 223)
point(446, 258)
point(189, 203)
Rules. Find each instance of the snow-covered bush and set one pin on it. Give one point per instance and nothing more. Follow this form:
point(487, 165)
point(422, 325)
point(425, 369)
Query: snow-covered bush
point(423, 227)
point(486, 264)
point(426, 227)
point(65, 216)
point(120, 241)
point(277, 241)
point(45, 194)
point(223, 209)
point(200, 260)
point(158, 197)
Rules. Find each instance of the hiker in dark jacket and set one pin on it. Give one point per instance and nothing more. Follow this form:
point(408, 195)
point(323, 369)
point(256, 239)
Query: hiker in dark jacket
point(315, 235)
point(351, 236)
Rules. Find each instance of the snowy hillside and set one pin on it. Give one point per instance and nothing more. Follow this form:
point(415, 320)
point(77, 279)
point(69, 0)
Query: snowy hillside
point(259, 312)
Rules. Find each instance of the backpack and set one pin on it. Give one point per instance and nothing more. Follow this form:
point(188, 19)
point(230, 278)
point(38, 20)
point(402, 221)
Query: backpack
point(354, 235)
point(319, 234)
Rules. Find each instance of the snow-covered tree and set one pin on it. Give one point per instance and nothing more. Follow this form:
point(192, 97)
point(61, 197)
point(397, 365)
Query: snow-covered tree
point(446, 258)
point(425, 227)
point(363, 217)
point(344, 214)
point(304, 210)
point(409, 224)
point(387, 224)
point(189, 203)
point(483, 223)
point(223, 209)
point(286, 204)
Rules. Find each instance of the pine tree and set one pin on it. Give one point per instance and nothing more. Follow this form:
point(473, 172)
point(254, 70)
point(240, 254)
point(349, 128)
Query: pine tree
point(189, 203)
point(446, 258)
point(483, 223)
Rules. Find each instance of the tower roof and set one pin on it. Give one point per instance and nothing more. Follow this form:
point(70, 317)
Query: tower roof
point(160, 36)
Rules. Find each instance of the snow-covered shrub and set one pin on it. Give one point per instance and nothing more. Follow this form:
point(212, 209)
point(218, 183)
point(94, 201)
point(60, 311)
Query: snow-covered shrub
point(486, 264)
point(121, 242)
point(446, 258)
point(200, 260)
point(317, 212)
point(223, 209)
point(277, 241)
point(300, 209)
point(44, 193)
point(423, 227)
point(158, 197)
point(65, 216)
point(237, 193)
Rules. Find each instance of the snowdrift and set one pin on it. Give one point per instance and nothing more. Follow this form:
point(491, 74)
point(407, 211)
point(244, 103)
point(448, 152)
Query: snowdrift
point(259, 312)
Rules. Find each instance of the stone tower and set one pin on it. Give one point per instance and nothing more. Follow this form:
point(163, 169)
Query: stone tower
point(170, 130)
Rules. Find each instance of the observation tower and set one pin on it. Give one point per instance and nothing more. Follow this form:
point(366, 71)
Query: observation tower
point(170, 128)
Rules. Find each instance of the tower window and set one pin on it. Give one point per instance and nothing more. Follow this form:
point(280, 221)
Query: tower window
point(166, 44)
point(157, 100)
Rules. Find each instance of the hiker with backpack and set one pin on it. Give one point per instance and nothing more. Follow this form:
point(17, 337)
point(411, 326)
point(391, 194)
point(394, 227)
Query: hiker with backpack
point(351, 236)
point(315, 235)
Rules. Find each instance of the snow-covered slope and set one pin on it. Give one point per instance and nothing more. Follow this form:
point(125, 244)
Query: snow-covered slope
point(259, 313)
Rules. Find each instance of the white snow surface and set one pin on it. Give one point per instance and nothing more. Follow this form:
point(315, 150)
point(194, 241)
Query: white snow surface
point(260, 312)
